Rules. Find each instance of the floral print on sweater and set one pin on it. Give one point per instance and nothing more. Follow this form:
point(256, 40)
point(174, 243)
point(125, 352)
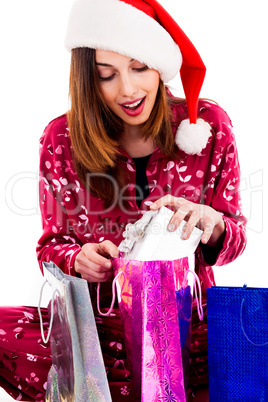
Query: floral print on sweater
point(72, 216)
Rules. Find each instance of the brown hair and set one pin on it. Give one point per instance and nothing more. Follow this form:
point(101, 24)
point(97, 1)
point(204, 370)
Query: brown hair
point(95, 129)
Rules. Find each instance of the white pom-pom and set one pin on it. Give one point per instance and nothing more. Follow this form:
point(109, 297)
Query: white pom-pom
point(192, 138)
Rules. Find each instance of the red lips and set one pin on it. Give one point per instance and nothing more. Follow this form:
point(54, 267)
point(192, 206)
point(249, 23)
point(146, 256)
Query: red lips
point(133, 108)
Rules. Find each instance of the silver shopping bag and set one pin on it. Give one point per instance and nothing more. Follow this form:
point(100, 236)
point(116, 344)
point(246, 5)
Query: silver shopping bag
point(78, 372)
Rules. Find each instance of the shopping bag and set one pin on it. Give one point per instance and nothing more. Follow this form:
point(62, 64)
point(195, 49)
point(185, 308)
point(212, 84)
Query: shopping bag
point(55, 384)
point(237, 343)
point(147, 301)
point(77, 372)
point(147, 280)
point(184, 298)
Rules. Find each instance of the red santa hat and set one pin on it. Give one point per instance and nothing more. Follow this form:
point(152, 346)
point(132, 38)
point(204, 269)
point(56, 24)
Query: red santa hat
point(143, 30)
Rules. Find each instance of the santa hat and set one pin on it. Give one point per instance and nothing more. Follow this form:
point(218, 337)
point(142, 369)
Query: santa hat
point(143, 30)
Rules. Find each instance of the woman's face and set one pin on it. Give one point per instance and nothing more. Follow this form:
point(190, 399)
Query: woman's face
point(129, 87)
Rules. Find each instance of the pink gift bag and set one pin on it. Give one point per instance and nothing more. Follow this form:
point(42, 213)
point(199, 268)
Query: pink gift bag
point(150, 309)
point(147, 301)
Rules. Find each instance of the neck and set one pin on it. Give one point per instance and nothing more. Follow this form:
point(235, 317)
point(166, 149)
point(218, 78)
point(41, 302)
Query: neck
point(134, 144)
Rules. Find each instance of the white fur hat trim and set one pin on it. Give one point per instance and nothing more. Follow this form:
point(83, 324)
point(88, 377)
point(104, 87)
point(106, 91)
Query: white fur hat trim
point(192, 138)
point(117, 26)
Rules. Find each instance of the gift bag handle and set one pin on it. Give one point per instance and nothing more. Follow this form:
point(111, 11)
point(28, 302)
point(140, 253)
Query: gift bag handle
point(200, 311)
point(243, 329)
point(109, 312)
point(45, 340)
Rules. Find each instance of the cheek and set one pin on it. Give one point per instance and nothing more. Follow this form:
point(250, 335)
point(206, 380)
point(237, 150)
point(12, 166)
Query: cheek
point(108, 94)
point(153, 82)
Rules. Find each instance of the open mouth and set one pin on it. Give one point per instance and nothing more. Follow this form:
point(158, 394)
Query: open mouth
point(135, 105)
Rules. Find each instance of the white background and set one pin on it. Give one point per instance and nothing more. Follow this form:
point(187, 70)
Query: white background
point(230, 35)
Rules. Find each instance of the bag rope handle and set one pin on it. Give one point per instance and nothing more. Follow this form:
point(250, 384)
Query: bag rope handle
point(109, 312)
point(196, 283)
point(200, 311)
point(243, 329)
point(45, 340)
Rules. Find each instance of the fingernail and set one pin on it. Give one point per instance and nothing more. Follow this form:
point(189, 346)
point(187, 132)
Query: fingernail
point(171, 227)
point(153, 206)
point(108, 264)
point(184, 235)
point(204, 239)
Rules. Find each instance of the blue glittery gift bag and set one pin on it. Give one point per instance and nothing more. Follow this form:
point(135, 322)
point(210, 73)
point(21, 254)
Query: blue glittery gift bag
point(237, 344)
point(78, 372)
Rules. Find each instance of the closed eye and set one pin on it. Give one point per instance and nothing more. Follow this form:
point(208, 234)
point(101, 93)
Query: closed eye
point(109, 78)
point(140, 69)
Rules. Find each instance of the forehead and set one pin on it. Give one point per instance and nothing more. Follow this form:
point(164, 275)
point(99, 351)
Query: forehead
point(113, 58)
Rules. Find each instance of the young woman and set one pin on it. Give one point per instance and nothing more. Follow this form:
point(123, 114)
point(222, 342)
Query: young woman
point(125, 146)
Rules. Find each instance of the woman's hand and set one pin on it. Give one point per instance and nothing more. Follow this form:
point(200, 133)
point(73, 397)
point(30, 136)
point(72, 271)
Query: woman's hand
point(202, 216)
point(93, 262)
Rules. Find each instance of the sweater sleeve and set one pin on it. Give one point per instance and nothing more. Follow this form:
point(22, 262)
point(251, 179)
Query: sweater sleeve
point(224, 183)
point(58, 242)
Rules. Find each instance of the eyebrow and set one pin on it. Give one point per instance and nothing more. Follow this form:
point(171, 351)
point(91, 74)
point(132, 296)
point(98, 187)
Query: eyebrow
point(103, 64)
point(109, 65)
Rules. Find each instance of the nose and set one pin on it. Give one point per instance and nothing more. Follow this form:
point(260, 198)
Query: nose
point(127, 85)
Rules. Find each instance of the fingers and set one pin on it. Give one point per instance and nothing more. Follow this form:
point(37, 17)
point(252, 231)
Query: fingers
point(92, 273)
point(184, 212)
point(182, 209)
point(109, 248)
point(100, 253)
point(202, 216)
point(93, 263)
point(207, 233)
point(167, 200)
point(192, 222)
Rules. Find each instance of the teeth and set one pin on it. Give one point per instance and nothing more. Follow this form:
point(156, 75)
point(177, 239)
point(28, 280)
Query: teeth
point(134, 104)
